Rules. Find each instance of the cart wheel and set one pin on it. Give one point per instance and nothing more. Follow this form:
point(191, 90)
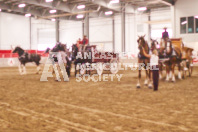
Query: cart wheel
point(190, 70)
point(99, 68)
point(114, 66)
point(82, 69)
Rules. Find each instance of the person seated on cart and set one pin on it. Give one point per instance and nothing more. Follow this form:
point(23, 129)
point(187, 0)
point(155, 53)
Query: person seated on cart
point(84, 44)
point(165, 37)
point(165, 34)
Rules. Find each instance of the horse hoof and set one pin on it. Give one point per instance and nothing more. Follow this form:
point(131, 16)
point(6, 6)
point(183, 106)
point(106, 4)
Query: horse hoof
point(138, 87)
point(150, 86)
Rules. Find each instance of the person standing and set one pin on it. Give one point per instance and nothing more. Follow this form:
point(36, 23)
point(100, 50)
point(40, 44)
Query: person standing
point(154, 65)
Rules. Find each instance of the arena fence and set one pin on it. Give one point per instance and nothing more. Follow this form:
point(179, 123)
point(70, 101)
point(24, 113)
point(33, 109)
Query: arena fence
point(8, 59)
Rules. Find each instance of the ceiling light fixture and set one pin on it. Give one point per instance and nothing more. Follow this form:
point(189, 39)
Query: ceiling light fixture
point(81, 6)
point(142, 9)
point(53, 20)
point(79, 16)
point(114, 1)
point(48, 0)
point(21, 5)
point(108, 12)
point(196, 16)
point(52, 11)
point(28, 15)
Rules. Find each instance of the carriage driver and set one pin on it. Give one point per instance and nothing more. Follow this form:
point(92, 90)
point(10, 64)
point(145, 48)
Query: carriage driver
point(165, 36)
point(84, 44)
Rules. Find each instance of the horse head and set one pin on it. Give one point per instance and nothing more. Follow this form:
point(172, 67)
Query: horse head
point(154, 44)
point(168, 47)
point(18, 50)
point(47, 50)
point(142, 44)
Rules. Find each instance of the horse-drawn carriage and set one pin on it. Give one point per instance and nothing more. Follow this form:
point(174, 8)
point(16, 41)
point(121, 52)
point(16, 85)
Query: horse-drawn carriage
point(98, 61)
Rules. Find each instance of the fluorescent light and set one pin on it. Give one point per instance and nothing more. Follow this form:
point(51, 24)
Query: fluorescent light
point(108, 12)
point(114, 1)
point(184, 22)
point(28, 15)
point(196, 16)
point(52, 11)
point(48, 0)
point(21, 5)
point(142, 9)
point(0, 10)
point(81, 6)
point(79, 16)
point(53, 20)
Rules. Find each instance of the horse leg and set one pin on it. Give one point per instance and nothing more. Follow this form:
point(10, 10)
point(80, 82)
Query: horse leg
point(75, 69)
point(24, 69)
point(173, 72)
point(146, 80)
point(179, 71)
point(139, 77)
point(167, 72)
point(20, 70)
point(160, 70)
point(38, 68)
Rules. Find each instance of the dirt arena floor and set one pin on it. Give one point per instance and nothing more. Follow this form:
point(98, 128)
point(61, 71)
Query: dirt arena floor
point(28, 105)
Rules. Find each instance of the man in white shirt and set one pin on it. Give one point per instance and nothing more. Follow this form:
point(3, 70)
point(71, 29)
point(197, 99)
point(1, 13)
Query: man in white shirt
point(154, 60)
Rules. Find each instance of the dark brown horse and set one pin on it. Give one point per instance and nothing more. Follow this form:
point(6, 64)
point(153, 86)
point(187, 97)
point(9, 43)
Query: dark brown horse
point(25, 57)
point(143, 61)
point(57, 48)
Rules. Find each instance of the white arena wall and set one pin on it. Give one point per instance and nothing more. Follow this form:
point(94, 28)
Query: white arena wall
point(15, 30)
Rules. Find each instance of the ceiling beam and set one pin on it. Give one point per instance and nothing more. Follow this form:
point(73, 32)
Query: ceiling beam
point(58, 5)
point(105, 4)
point(165, 2)
point(14, 8)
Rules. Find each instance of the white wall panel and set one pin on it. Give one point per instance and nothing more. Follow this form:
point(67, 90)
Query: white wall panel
point(118, 40)
point(70, 31)
point(14, 30)
point(184, 8)
point(43, 34)
point(101, 32)
point(131, 44)
point(161, 14)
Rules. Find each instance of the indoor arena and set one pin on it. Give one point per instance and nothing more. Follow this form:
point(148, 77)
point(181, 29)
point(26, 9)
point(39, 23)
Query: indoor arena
point(98, 66)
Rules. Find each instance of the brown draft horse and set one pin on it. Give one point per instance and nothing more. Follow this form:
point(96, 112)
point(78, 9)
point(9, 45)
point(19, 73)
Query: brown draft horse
point(174, 56)
point(143, 61)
